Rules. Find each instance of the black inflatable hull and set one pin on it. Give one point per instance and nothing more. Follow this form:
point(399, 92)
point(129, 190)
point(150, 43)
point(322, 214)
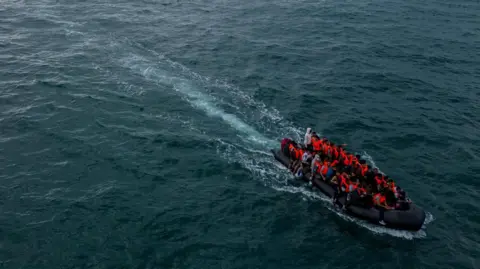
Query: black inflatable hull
point(411, 219)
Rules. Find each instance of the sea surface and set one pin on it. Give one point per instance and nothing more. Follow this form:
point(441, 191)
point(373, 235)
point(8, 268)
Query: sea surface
point(136, 134)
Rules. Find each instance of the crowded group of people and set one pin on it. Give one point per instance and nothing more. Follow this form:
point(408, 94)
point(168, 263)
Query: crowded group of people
point(347, 173)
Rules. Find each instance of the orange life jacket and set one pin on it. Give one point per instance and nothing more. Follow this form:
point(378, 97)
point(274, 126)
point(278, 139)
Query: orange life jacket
point(379, 199)
point(316, 144)
point(393, 188)
point(353, 161)
point(324, 169)
point(346, 161)
point(325, 149)
point(299, 154)
point(335, 162)
point(380, 180)
point(352, 187)
point(293, 151)
point(361, 191)
point(335, 152)
point(343, 183)
point(364, 170)
point(317, 166)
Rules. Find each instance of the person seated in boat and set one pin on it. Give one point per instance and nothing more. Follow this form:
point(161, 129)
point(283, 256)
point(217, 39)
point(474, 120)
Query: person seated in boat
point(324, 169)
point(332, 168)
point(325, 149)
point(357, 166)
point(317, 143)
point(298, 159)
point(342, 156)
point(391, 186)
point(303, 162)
point(308, 140)
point(353, 162)
point(331, 152)
point(370, 176)
point(315, 166)
point(355, 193)
point(402, 203)
point(380, 201)
point(344, 186)
point(295, 153)
point(342, 153)
point(379, 181)
point(284, 146)
point(335, 182)
point(363, 169)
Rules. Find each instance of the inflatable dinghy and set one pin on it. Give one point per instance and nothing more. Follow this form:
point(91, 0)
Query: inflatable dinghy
point(410, 219)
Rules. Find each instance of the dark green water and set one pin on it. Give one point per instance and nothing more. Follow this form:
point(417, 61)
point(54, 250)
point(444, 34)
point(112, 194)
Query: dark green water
point(136, 134)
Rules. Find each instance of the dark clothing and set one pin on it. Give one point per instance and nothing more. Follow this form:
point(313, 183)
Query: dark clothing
point(285, 142)
point(285, 150)
point(370, 175)
point(368, 200)
point(382, 212)
point(358, 171)
point(402, 205)
point(310, 147)
point(330, 173)
point(390, 198)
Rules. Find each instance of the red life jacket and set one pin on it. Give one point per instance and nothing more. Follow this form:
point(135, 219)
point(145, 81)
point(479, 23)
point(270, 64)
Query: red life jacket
point(380, 180)
point(335, 153)
point(299, 154)
point(316, 144)
point(352, 187)
point(293, 151)
point(353, 161)
point(393, 188)
point(379, 199)
point(361, 191)
point(364, 170)
point(346, 160)
point(324, 169)
point(317, 166)
point(343, 183)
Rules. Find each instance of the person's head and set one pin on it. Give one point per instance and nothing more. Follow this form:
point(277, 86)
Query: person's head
point(375, 170)
point(369, 167)
point(332, 144)
point(358, 157)
point(386, 177)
